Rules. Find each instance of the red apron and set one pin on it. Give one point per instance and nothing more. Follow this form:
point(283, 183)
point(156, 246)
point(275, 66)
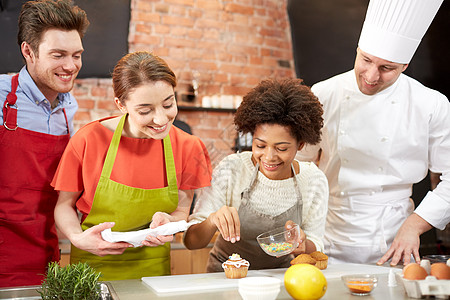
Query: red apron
point(28, 238)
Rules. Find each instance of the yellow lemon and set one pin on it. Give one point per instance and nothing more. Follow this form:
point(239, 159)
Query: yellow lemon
point(305, 282)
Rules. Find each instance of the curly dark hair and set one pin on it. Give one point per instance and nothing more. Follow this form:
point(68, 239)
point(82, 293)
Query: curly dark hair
point(286, 102)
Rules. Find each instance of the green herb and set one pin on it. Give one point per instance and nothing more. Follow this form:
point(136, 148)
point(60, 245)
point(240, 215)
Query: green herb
point(76, 281)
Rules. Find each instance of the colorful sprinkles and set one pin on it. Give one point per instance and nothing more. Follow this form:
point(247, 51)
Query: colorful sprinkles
point(277, 247)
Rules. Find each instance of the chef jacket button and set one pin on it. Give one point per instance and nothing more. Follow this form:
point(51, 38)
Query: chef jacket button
point(380, 169)
point(342, 194)
point(384, 139)
point(37, 102)
point(372, 193)
point(347, 97)
point(342, 132)
point(345, 160)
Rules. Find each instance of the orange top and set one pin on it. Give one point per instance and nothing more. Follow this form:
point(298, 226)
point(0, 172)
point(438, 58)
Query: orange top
point(139, 162)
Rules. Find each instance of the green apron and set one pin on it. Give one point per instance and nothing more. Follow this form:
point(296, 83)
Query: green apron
point(131, 209)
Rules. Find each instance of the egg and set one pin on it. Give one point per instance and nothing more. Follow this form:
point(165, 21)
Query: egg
point(440, 271)
point(413, 271)
point(426, 264)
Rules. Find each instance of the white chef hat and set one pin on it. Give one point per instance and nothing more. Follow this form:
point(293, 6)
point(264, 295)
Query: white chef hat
point(393, 29)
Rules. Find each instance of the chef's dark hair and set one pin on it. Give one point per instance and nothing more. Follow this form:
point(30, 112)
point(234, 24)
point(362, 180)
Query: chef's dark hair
point(137, 68)
point(286, 102)
point(38, 16)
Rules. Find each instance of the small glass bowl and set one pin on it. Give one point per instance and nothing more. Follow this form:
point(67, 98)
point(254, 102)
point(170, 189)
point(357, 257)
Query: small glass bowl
point(279, 241)
point(360, 284)
point(437, 258)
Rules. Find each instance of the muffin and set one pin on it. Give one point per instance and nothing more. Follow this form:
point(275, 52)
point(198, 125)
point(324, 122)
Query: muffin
point(321, 259)
point(235, 267)
point(303, 259)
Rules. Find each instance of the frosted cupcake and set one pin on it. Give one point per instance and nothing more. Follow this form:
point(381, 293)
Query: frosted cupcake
point(235, 267)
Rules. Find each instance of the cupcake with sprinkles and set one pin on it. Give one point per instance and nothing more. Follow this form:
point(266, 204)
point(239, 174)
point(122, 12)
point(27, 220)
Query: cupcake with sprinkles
point(235, 267)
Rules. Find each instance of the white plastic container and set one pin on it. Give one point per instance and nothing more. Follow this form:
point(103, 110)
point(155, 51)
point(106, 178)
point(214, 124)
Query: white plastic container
point(259, 288)
point(430, 286)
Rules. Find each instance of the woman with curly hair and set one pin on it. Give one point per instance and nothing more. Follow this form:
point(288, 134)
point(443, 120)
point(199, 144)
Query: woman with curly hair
point(253, 192)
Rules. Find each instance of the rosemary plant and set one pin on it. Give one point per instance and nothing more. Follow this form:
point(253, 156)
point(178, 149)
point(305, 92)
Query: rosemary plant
point(76, 281)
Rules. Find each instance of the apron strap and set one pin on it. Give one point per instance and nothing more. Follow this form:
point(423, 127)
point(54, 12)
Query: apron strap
point(67, 122)
point(10, 107)
point(170, 168)
point(112, 150)
point(10, 112)
point(245, 195)
point(169, 161)
point(299, 196)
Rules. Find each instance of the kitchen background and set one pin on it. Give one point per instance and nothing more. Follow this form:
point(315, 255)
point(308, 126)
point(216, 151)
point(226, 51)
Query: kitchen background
point(220, 49)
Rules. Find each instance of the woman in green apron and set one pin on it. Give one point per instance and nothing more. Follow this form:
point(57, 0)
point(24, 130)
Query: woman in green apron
point(130, 172)
point(254, 192)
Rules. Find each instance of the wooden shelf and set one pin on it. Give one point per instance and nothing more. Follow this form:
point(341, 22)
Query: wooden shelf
point(200, 108)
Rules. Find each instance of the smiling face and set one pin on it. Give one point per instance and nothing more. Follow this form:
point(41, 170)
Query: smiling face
point(152, 109)
point(274, 148)
point(57, 65)
point(374, 74)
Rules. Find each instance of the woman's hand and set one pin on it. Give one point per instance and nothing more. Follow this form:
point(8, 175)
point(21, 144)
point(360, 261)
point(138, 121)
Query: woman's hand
point(301, 238)
point(91, 240)
point(159, 218)
point(226, 220)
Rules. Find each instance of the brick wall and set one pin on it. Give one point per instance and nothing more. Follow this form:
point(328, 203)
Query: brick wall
point(228, 45)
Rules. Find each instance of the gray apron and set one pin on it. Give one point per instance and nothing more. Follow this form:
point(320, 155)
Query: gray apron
point(254, 223)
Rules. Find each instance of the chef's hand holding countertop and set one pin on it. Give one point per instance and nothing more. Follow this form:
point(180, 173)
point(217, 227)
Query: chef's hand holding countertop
point(406, 242)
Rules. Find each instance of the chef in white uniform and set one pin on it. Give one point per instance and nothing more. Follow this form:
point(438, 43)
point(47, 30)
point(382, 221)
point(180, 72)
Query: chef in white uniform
point(383, 131)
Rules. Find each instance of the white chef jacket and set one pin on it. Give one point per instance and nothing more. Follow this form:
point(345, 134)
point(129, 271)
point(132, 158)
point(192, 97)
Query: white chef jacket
point(374, 148)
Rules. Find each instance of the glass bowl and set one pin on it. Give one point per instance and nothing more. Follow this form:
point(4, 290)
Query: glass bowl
point(360, 284)
point(437, 258)
point(279, 241)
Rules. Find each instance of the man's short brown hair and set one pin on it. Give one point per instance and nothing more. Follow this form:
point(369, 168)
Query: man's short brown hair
point(38, 16)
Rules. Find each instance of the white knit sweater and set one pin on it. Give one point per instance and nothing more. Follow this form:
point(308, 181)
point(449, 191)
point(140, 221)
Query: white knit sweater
point(270, 197)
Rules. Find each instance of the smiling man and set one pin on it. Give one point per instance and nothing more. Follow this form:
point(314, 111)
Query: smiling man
point(382, 132)
point(36, 125)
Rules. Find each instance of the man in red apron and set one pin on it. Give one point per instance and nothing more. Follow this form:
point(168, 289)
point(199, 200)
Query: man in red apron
point(36, 123)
